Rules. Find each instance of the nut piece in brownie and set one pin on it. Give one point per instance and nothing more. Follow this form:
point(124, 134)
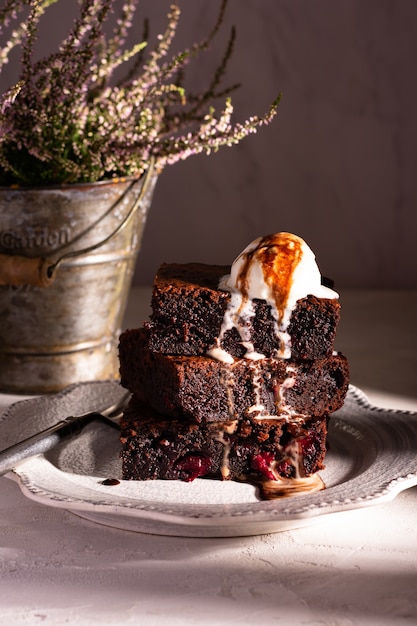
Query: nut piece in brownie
point(154, 447)
point(207, 390)
point(188, 310)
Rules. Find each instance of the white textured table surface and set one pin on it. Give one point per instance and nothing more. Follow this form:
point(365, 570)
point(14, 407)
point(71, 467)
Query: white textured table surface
point(355, 568)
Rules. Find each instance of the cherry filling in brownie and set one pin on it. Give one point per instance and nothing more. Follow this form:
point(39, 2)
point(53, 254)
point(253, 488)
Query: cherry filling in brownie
point(156, 447)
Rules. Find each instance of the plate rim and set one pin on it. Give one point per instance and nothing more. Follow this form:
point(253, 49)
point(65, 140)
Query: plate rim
point(216, 517)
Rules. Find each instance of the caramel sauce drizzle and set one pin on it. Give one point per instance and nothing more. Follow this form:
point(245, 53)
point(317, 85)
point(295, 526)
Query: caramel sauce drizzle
point(278, 255)
point(289, 487)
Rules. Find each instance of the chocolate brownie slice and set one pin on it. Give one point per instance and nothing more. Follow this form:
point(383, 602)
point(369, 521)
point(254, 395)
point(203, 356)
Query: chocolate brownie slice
point(188, 310)
point(206, 390)
point(154, 447)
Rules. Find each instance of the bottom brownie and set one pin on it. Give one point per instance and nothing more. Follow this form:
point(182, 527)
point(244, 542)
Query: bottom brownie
point(154, 447)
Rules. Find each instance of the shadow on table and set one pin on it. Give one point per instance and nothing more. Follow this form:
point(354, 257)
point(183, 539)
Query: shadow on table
point(308, 574)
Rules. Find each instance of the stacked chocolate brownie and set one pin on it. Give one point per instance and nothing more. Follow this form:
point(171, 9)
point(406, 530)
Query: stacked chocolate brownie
point(262, 418)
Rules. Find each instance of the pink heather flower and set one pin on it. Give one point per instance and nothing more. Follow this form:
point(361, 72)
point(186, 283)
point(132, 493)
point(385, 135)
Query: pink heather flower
point(69, 120)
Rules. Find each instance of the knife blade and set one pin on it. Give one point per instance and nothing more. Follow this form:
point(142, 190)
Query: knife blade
point(48, 438)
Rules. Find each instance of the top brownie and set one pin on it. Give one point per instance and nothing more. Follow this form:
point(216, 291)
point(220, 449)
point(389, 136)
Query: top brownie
point(188, 310)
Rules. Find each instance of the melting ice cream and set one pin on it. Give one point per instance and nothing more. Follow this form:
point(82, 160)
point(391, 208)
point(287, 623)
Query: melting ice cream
point(279, 269)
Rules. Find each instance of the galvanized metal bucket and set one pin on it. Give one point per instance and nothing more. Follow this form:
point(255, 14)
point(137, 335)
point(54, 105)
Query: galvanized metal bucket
point(67, 256)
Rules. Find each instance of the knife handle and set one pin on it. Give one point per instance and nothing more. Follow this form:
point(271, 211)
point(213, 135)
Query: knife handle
point(42, 441)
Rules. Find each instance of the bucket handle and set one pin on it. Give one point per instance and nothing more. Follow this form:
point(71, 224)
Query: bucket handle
point(40, 272)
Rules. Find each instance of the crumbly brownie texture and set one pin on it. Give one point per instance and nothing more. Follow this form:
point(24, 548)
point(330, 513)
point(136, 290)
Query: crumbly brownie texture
point(188, 310)
point(207, 390)
point(154, 447)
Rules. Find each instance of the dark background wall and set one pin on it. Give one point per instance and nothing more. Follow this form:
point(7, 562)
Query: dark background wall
point(337, 166)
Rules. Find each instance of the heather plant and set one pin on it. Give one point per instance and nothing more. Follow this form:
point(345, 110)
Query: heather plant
point(98, 108)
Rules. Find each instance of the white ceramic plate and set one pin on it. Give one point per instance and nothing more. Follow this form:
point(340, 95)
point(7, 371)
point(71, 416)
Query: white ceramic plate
point(372, 458)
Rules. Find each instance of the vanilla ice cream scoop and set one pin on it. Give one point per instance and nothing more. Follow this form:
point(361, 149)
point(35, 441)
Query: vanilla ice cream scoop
point(279, 269)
